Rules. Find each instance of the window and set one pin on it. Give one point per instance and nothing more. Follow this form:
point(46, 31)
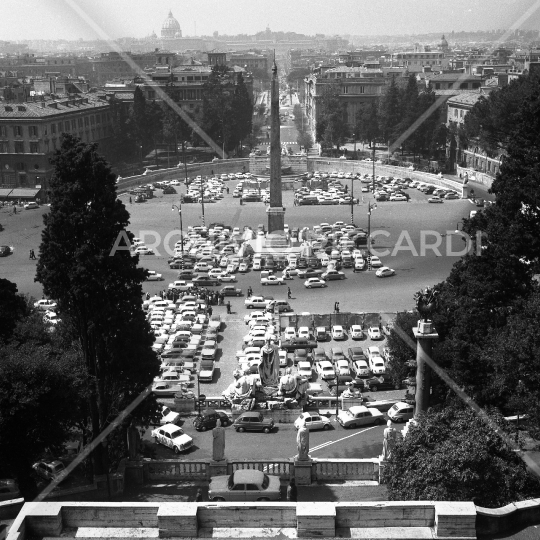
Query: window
point(362, 89)
point(86, 121)
point(19, 147)
point(53, 128)
point(92, 120)
point(34, 147)
point(455, 113)
point(80, 123)
point(98, 118)
point(3, 131)
point(151, 94)
point(73, 125)
point(20, 166)
point(17, 131)
point(33, 130)
point(461, 113)
point(437, 86)
point(4, 147)
point(345, 89)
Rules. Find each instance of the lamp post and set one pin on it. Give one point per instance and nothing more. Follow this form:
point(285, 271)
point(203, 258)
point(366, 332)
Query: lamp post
point(179, 208)
point(373, 178)
point(202, 202)
point(371, 206)
point(337, 391)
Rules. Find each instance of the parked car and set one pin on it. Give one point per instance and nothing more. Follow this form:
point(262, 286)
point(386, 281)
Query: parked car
point(153, 276)
point(331, 275)
point(338, 332)
point(356, 332)
point(5, 251)
point(272, 280)
point(385, 272)
point(312, 421)
point(53, 470)
point(325, 369)
point(360, 416)
point(172, 437)
point(208, 420)
point(315, 282)
point(31, 206)
point(380, 382)
point(168, 416)
point(230, 290)
point(45, 305)
point(245, 485)
point(374, 333)
point(297, 343)
point(401, 412)
point(253, 421)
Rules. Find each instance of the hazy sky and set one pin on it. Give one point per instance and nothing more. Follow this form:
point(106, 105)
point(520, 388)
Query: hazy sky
point(54, 19)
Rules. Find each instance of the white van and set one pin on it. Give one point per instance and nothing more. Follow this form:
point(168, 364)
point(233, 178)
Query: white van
point(401, 412)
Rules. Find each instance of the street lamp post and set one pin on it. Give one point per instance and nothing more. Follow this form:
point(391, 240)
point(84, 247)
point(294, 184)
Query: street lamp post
point(373, 178)
point(371, 206)
point(179, 208)
point(202, 201)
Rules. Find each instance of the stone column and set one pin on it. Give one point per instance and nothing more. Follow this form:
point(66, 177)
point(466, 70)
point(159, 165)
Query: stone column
point(276, 214)
point(424, 334)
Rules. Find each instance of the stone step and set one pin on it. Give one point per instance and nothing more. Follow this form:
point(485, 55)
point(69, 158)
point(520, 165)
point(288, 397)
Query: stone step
point(387, 533)
point(118, 533)
point(248, 532)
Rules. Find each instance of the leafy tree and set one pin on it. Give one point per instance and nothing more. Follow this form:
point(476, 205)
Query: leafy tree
point(154, 116)
point(138, 122)
point(409, 104)
point(12, 308)
point(367, 127)
point(390, 112)
point(298, 74)
point(305, 140)
point(455, 456)
point(242, 109)
point(400, 351)
point(98, 288)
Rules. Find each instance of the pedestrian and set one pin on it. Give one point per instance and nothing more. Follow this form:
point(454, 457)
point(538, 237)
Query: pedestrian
point(289, 293)
point(337, 307)
point(148, 296)
point(210, 311)
point(292, 491)
point(130, 201)
point(228, 308)
point(30, 254)
point(227, 190)
point(199, 496)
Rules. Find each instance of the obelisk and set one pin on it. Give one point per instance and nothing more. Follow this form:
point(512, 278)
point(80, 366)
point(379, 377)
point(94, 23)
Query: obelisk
point(276, 213)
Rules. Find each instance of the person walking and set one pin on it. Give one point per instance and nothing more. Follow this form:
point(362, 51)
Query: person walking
point(289, 293)
point(337, 307)
point(228, 308)
point(227, 190)
point(292, 491)
point(130, 201)
point(199, 496)
point(210, 311)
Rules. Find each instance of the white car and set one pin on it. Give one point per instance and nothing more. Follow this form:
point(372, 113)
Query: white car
point(305, 370)
point(143, 250)
point(257, 315)
point(342, 367)
point(283, 361)
point(375, 262)
point(51, 317)
point(224, 277)
point(173, 437)
point(272, 280)
point(314, 282)
point(215, 273)
point(361, 368)
point(312, 421)
point(289, 333)
point(154, 276)
point(243, 268)
point(374, 333)
point(356, 332)
point(338, 332)
point(325, 369)
point(255, 335)
point(45, 305)
point(303, 332)
point(373, 351)
point(168, 416)
point(385, 272)
point(31, 205)
point(398, 197)
point(376, 364)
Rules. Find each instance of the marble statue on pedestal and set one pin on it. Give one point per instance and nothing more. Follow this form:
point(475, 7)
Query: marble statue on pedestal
point(218, 448)
point(390, 438)
point(269, 366)
point(302, 442)
point(133, 441)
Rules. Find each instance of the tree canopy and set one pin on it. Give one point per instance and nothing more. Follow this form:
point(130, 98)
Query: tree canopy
point(97, 287)
point(453, 455)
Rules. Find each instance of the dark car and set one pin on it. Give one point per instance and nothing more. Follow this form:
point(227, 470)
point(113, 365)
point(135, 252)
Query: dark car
point(169, 190)
point(310, 272)
point(229, 290)
point(205, 281)
point(314, 262)
point(5, 251)
point(251, 198)
point(381, 197)
point(382, 382)
point(208, 420)
point(302, 262)
point(188, 199)
point(176, 264)
point(186, 274)
point(319, 355)
point(298, 343)
point(301, 355)
point(253, 421)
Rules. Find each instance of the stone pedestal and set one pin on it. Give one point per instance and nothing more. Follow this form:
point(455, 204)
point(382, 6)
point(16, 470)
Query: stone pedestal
point(465, 191)
point(302, 472)
point(316, 519)
point(382, 466)
point(134, 473)
point(218, 468)
point(276, 220)
point(177, 520)
point(425, 335)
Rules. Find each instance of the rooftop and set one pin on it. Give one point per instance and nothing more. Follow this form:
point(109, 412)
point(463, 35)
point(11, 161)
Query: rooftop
point(465, 98)
point(50, 107)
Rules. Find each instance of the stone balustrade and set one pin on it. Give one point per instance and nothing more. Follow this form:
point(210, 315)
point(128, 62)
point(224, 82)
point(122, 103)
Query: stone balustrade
point(345, 469)
point(278, 467)
point(173, 469)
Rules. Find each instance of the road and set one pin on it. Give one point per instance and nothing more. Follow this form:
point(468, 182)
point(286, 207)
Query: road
point(337, 442)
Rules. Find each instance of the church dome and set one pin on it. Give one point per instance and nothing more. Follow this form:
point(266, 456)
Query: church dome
point(444, 43)
point(170, 27)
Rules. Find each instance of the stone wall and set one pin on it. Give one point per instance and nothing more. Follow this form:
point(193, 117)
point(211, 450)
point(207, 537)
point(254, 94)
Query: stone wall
point(259, 164)
point(476, 177)
point(261, 519)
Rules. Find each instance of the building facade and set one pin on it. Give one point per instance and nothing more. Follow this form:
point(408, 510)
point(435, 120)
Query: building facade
point(30, 132)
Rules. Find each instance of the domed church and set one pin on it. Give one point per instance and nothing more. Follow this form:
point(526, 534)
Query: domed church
point(171, 28)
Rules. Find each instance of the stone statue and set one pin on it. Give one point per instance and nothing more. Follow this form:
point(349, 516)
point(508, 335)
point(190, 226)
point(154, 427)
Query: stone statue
point(302, 442)
point(426, 302)
point(218, 449)
point(287, 384)
point(133, 441)
point(390, 437)
point(269, 366)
